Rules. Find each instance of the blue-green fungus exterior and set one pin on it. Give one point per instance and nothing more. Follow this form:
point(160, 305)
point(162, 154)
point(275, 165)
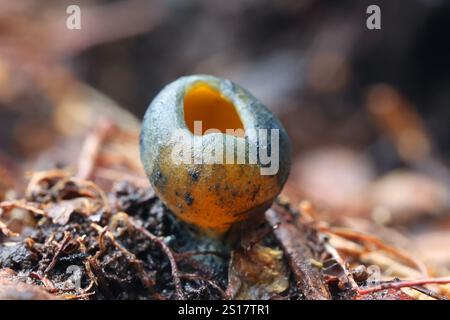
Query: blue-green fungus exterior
point(210, 196)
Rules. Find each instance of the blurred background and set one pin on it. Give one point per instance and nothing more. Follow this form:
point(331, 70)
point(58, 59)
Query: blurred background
point(367, 110)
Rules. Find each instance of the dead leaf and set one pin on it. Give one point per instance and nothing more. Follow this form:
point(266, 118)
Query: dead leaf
point(60, 212)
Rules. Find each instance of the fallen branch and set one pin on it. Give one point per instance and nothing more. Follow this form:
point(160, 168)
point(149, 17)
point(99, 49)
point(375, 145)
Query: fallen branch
point(294, 243)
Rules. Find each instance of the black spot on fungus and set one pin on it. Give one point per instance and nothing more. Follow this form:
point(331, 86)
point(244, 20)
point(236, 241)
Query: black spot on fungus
point(158, 179)
point(255, 192)
point(194, 174)
point(188, 198)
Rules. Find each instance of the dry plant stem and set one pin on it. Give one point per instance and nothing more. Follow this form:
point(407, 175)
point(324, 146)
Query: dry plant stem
point(84, 293)
point(430, 293)
point(91, 149)
point(101, 237)
point(37, 177)
point(358, 236)
point(5, 230)
point(48, 284)
point(97, 275)
point(404, 284)
point(22, 205)
point(309, 280)
point(90, 273)
point(170, 256)
point(61, 247)
point(339, 260)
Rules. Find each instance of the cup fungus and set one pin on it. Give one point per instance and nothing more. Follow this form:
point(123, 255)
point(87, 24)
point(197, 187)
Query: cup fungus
point(213, 153)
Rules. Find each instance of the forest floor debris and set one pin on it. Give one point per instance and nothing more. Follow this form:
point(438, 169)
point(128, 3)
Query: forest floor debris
point(85, 243)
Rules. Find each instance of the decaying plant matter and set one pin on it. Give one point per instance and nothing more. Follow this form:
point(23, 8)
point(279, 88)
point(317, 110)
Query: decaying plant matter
point(81, 242)
point(78, 219)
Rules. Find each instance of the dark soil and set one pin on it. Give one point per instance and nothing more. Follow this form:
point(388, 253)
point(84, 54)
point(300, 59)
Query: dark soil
point(134, 268)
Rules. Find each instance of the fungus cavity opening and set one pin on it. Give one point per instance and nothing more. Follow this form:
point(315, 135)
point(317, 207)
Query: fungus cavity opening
point(205, 104)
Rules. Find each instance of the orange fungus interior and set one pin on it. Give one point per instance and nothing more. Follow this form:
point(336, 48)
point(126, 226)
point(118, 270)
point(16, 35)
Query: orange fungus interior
point(205, 104)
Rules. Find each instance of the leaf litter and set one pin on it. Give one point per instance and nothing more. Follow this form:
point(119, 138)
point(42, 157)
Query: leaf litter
point(81, 239)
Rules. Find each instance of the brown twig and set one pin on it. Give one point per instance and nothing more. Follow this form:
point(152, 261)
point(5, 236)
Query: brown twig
point(134, 261)
point(22, 205)
point(101, 238)
point(333, 252)
point(37, 177)
point(91, 148)
point(61, 247)
point(169, 254)
point(294, 242)
point(403, 284)
point(5, 230)
point(48, 284)
point(91, 185)
point(365, 238)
